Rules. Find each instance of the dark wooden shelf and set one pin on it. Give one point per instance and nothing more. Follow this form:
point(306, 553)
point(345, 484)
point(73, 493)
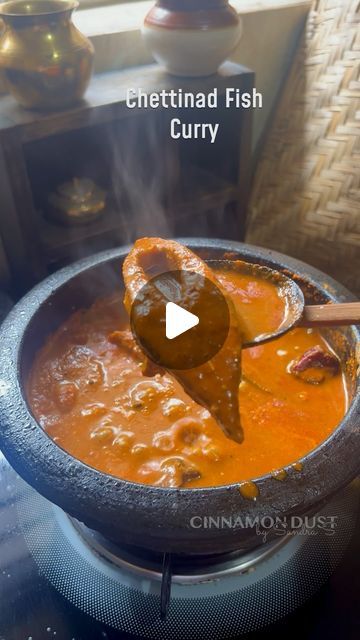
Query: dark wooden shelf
point(56, 239)
point(208, 193)
point(106, 100)
point(125, 151)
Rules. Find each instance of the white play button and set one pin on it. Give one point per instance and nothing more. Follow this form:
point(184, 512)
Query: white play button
point(178, 320)
point(199, 322)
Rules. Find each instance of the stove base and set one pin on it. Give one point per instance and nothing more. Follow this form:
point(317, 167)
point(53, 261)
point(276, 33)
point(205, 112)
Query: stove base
point(221, 602)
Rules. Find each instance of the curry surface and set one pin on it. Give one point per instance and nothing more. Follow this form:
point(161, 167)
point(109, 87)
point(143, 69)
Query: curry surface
point(92, 398)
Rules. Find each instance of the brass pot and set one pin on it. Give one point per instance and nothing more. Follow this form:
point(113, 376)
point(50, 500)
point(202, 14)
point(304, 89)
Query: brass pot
point(78, 201)
point(46, 61)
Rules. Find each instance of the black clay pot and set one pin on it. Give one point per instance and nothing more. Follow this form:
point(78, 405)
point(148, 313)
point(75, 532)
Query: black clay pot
point(154, 517)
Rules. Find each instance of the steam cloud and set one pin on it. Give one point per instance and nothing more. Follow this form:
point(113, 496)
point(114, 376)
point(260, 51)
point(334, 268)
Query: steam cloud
point(143, 177)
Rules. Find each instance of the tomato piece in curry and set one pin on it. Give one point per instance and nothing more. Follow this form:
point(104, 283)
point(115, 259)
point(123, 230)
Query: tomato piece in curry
point(87, 389)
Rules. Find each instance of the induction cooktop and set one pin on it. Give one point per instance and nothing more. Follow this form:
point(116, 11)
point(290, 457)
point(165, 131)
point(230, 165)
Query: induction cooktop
point(60, 581)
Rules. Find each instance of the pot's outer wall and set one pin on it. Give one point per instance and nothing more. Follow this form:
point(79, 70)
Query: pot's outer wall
point(156, 517)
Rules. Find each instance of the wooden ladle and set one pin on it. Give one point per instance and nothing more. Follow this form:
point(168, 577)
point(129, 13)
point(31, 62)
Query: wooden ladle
point(296, 312)
point(331, 315)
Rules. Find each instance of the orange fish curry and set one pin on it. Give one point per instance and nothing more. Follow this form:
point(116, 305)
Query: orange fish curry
point(89, 390)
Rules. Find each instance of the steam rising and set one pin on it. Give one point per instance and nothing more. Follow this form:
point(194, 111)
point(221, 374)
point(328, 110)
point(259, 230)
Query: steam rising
point(144, 173)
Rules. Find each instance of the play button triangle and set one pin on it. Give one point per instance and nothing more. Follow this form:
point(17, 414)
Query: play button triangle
point(178, 320)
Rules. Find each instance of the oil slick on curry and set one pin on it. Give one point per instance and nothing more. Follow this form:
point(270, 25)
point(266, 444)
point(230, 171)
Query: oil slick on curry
point(89, 389)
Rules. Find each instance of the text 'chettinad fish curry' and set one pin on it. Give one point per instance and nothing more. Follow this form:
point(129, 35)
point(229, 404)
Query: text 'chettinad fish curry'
point(96, 394)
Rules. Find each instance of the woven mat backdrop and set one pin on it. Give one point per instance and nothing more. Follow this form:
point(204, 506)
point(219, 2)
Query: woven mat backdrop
point(306, 195)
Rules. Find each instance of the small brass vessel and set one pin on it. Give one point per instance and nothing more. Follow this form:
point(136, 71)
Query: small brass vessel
point(79, 201)
point(46, 61)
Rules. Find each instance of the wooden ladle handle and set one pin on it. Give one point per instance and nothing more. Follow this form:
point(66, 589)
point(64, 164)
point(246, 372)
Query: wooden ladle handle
point(331, 315)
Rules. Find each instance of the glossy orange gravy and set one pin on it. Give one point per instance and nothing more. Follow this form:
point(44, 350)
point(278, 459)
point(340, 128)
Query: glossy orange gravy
point(90, 395)
point(261, 308)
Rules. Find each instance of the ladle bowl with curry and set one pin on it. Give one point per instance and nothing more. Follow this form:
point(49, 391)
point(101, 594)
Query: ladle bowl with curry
point(138, 452)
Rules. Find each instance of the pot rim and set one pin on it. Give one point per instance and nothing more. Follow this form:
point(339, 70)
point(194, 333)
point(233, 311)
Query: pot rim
point(59, 7)
point(43, 463)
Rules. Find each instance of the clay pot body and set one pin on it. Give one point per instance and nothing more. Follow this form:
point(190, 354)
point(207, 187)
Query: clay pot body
point(159, 518)
point(191, 38)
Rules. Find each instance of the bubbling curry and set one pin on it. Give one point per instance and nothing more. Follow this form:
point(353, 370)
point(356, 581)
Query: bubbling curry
point(89, 390)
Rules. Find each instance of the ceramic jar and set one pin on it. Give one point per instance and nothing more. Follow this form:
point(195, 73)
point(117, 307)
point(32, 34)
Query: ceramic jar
point(191, 37)
point(46, 61)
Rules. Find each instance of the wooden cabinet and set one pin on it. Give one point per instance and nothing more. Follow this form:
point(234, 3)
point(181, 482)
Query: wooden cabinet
point(155, 185)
